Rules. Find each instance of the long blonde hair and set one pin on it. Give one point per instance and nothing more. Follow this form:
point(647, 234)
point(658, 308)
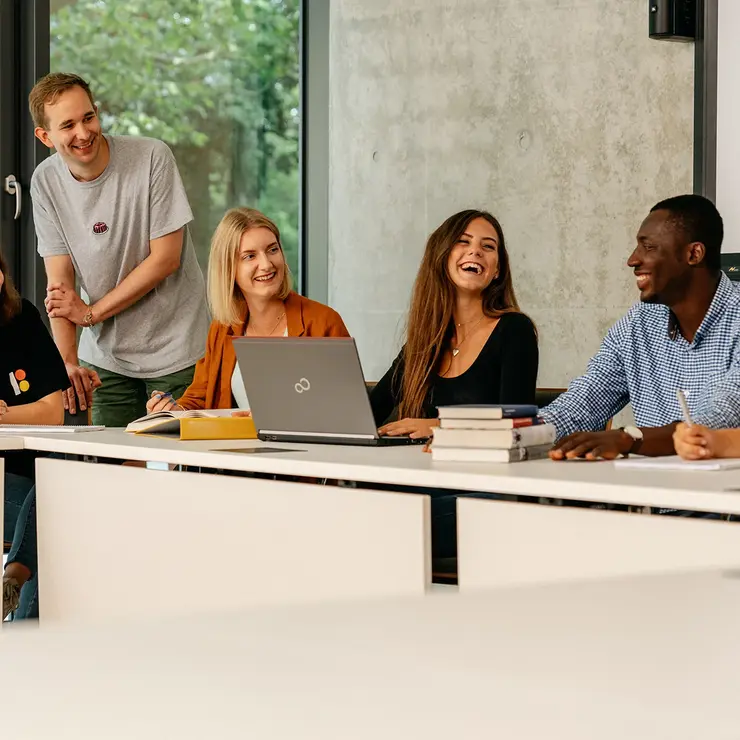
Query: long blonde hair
point(430, 322)
point(225, 299)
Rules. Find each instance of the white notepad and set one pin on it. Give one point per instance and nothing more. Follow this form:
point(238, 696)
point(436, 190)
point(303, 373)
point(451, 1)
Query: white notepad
point(674, 462)
point(50, 429)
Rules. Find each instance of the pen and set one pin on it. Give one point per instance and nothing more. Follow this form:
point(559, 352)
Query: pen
point(684, 406)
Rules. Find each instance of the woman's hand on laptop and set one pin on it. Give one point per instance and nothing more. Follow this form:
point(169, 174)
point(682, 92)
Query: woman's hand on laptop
point(161, 401)
point(414, 428)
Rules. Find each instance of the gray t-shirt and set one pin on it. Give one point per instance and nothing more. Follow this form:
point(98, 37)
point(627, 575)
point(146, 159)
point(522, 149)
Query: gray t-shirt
point(105, 227)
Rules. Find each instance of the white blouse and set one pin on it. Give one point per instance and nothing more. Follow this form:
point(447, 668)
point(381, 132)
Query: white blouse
point(237, 385)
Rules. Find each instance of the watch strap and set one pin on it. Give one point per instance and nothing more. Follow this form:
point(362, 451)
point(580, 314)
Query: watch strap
point(636, 442)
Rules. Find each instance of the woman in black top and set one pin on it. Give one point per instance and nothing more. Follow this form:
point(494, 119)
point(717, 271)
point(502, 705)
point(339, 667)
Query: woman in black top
point(32, 377)
point(467, 342)
point(32, 374)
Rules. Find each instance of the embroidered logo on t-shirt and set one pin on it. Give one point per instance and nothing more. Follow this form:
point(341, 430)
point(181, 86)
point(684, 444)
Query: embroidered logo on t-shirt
point(100, 227)
point(18, 382)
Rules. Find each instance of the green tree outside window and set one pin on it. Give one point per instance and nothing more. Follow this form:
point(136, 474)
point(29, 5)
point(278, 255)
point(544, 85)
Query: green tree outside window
point(217, 80)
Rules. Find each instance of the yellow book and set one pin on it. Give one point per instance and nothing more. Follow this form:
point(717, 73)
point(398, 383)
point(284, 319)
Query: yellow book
point(193, 425)
point(240, 427)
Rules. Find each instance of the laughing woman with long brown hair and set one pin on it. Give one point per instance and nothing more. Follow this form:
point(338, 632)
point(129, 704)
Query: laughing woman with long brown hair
point(467, 342)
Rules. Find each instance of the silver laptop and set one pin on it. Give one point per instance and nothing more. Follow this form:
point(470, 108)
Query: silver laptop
point(308, 390)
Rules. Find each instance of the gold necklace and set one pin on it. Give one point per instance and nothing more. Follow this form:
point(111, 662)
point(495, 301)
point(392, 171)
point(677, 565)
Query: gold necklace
point(277, 323)
point(456, 348)
point(465, 323)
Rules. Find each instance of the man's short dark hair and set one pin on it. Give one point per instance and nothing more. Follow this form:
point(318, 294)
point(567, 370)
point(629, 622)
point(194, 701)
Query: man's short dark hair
point(699, 221)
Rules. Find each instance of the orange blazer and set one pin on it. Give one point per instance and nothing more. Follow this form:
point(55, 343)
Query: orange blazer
point(211, 386)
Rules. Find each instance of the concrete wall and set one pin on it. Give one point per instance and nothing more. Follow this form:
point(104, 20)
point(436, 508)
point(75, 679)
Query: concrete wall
point(560, 116)
point(728, 121)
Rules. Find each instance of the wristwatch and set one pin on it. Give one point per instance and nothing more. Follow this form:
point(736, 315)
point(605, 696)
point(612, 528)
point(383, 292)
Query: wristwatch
point(87, 319)
point(637, 438)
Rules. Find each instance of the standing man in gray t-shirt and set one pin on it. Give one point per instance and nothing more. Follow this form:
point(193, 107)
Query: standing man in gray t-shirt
point(111, 211)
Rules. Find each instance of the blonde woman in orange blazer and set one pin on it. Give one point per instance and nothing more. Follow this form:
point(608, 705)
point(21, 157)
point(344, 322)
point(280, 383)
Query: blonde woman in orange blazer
point(249, 292)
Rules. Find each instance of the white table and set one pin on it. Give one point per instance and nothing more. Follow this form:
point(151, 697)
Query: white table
point(398, 467)
point(654, 658)
point(410, 466)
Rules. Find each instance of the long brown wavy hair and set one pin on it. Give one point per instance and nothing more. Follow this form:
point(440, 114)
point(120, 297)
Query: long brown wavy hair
point(10, 300)
point(430, 324)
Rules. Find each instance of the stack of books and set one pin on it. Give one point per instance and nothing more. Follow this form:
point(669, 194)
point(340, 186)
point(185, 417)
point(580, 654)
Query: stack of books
point(499, 434)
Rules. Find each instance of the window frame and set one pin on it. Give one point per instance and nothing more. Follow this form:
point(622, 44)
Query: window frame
point(314, 159)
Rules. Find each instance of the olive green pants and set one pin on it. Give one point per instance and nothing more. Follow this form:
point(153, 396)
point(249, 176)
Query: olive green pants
point(120, 399)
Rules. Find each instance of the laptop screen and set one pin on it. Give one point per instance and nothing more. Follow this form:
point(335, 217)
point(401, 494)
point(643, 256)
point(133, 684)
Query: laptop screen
point(305, 385)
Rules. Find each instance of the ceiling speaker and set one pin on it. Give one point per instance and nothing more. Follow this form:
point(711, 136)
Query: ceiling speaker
point(673, 20)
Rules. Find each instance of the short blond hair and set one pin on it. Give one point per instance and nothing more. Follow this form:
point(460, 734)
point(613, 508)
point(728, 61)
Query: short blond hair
point(224, 296)
point(47, 91)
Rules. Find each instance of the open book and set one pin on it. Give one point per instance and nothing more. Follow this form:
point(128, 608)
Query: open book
point(196, 424)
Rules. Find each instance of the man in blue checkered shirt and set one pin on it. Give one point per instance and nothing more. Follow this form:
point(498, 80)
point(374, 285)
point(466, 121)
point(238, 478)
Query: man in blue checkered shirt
point(684, 334)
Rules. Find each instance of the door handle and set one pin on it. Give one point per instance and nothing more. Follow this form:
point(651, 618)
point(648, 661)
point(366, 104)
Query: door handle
point(13, 187)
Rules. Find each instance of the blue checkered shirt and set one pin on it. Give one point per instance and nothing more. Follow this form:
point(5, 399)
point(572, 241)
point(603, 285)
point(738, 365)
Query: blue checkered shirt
point(644, 359)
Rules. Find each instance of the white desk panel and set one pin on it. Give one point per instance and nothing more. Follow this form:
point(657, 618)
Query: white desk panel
point(500, 543)
point(123, 542)
point(11, 443)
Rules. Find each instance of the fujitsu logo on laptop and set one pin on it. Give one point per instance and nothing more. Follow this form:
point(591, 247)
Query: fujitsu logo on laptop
point(302, 386)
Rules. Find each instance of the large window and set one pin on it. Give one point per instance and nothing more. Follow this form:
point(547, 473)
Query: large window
point(217, 80)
